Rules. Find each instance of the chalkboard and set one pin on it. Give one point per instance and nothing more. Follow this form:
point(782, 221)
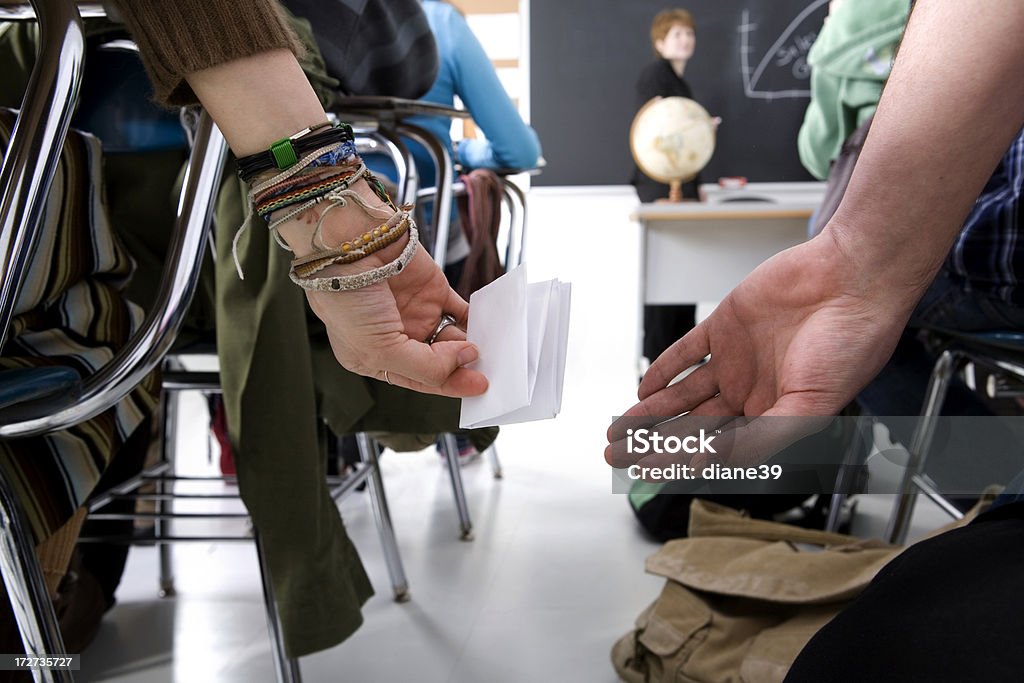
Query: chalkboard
point(749, 68)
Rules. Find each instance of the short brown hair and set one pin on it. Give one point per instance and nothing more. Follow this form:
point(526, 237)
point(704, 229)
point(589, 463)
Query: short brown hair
point(666, 19)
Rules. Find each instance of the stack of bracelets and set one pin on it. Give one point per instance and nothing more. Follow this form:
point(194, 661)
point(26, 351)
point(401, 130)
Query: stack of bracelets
point(318, 165)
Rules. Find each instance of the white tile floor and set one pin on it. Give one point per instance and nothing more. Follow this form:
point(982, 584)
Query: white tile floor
point(553, 577)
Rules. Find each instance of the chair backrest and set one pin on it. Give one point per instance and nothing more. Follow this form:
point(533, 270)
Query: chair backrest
point(369, 46)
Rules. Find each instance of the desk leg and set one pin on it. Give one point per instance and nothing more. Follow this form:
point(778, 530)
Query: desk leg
point(641, 365)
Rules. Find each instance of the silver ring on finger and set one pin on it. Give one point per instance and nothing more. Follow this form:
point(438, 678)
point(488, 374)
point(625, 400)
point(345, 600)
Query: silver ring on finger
point(388, 379)
point(445, 321)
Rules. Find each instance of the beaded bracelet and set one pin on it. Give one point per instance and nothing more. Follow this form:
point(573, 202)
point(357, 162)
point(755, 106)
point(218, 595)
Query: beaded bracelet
point(297, 194)
point(305, 184)
point(359, 248)
point(343, 283)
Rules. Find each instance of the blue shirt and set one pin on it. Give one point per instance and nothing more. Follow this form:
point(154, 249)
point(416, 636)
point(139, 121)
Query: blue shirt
point(466, 71)
point(988, 253)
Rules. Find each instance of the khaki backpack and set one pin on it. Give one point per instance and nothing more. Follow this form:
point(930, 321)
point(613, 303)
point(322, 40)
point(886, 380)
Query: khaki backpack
point(743, 597)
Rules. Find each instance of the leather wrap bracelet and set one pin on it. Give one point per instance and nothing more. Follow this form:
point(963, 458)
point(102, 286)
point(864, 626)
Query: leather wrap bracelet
point(286, 152)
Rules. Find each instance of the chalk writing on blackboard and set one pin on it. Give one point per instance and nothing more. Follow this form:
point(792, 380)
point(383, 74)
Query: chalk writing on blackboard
point(783, 70)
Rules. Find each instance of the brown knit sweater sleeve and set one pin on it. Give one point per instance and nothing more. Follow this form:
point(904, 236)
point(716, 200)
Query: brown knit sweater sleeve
point(179, 37)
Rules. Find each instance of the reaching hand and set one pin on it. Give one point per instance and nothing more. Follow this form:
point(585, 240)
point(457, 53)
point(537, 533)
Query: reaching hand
point(800, 336)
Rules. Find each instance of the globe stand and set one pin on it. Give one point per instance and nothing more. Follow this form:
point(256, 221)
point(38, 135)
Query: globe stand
point(675, 191)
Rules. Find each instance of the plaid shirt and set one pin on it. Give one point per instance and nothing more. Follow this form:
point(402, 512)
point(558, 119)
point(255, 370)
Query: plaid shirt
point(989, 252)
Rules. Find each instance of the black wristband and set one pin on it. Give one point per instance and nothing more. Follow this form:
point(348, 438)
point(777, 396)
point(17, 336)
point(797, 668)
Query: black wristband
point(286, 152)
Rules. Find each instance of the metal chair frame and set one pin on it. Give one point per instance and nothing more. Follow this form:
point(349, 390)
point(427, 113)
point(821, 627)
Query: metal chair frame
point(964, 353)
point(960, 357)
point(25, 177)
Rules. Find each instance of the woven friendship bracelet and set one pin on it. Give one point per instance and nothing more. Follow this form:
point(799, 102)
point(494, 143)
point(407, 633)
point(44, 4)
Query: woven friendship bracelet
point(299, 194)
point(301, 187)
point(306, 179)
point(339, 156)
point(347, 283)
point(270, 183)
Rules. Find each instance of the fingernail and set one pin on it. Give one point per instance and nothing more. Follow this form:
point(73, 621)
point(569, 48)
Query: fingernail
point(467, 355)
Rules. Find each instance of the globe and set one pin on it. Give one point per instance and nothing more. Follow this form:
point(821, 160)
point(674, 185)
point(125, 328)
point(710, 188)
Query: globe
point(672, 139)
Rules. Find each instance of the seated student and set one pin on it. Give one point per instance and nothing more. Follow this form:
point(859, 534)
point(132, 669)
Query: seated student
point(465, 72)
point(975, 291)
point(947, 610)
point(850, 62)
point(228, 61)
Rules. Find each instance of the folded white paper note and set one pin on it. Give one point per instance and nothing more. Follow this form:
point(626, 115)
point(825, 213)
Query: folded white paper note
point(521, 330)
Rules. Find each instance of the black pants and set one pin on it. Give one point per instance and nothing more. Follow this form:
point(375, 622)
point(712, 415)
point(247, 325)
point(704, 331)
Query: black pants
point(663, 325)
point(947, 610)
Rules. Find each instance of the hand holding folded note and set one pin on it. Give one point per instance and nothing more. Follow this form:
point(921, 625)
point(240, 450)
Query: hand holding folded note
point(521, 331)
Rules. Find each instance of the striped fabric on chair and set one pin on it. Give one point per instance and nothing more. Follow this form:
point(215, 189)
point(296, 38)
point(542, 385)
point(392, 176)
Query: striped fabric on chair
point(71, 313)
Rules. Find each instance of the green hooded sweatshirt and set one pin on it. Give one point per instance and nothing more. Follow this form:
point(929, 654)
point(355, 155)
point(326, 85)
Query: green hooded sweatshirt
point(850, 62)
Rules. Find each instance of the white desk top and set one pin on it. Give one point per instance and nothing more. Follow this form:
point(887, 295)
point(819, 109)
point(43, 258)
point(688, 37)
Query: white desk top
point(755, 200)
point(699, 251)
point(785, 193)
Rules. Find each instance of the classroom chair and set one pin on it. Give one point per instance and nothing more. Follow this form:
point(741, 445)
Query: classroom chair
point(1001, 353)
point(57, 402)
point(58, 398)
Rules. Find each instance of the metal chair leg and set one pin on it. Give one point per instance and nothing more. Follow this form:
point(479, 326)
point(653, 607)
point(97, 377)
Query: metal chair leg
point(938, 384)
point(515, 199)
point(161, 526)
point(368, 451)
point(451, 452)
point(492, 452)
point(26, 588)
point(846, 481)
point(438, 236)
point(286, 668)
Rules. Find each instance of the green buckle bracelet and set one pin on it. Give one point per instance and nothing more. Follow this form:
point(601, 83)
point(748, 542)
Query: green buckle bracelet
point(284, 154)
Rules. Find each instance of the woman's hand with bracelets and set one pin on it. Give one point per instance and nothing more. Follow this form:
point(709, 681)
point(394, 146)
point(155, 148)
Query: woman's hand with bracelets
point(381, 330)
